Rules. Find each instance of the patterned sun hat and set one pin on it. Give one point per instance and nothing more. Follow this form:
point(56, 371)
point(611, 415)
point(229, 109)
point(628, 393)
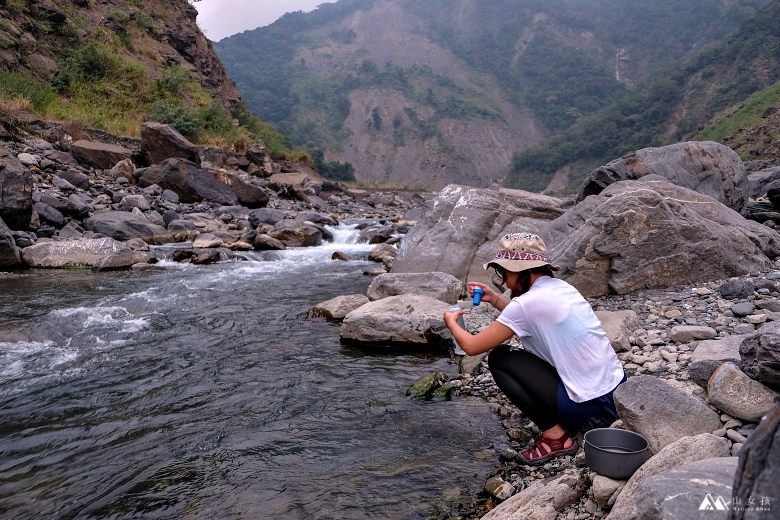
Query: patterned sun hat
point(520, 251)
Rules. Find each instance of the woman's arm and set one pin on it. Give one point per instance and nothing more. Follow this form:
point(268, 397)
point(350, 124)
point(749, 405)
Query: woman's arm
point(472, 344)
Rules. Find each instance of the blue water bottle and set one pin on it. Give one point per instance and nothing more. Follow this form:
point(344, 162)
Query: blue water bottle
point(478, 292)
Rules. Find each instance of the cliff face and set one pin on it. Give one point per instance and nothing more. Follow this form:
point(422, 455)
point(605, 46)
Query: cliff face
point(37, 36)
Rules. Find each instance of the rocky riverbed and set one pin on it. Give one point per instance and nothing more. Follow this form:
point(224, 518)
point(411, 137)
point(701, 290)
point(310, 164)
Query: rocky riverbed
point(659, 342)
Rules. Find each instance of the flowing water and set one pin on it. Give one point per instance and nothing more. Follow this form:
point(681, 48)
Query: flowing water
point(198, 392)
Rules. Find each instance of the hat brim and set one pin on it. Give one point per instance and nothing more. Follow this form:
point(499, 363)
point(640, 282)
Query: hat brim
point(517, 266)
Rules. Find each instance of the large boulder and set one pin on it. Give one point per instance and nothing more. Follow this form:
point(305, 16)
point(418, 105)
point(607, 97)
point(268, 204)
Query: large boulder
point(188, 180)
point(680, 492)
point(758, 472)
point(99, 155)
point(543, 499)
point(650, 233)
point(662, 413)
point(9, 253)
point(683, 451)
point(461, 227)
point(160, 142)
point(405, 319)
point(124, 225)
point(16, 187)
point(760, 355)
point(294, 234)
point(732, 391)
point(82, 253)
point(441, 286)
point(247, 194)
point(706, 167)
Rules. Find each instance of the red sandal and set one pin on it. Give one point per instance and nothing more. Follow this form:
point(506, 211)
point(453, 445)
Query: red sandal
point(539, 453)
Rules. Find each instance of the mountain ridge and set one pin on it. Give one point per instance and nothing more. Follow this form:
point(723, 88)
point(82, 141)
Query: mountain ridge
point(446, 92)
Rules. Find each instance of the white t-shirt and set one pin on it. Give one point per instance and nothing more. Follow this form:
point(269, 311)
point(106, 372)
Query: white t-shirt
point(556, 323)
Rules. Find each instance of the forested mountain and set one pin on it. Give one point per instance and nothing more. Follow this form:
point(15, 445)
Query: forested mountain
point(453, 90)
point(113, 64)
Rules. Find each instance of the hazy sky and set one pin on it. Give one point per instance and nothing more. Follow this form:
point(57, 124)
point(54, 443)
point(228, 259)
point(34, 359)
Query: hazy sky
point(220, 18)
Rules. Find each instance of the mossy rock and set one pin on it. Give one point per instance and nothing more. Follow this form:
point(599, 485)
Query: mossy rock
point(429, 387)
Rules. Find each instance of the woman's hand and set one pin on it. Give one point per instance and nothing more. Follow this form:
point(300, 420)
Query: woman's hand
point(489, 295)
point(451, 318)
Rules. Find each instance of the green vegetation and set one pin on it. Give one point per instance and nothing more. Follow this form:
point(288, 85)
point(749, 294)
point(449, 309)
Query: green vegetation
point(333, 169)
point(748, 114)
point(704, 86)
point(105, 80)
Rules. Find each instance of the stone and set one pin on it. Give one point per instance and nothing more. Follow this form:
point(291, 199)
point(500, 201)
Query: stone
point(82, 253)
point(123, 225)
point(678, 453)
point(736, 289)
point(263, 242)
point(700, 372)
point(710, 168)
point(603, 488)
point(462, 226)
point(103, 156)
point(9, 252)
point(336, 309)
point(499, 488)
point(718, 349)
point(293, 234)
point(207, 240)
point(662, 413)
point(542, 499)
point(427, 387)
point(741, 310)
point(160, 142)
point(679, 492)
point(650, 233)
point(758, 471)
point(404, 319)
point(16, 187)
point(760, 355)
point(732, 391)
point(618, 326)
point(441, 286)
point(188, 180)
point(688, 333)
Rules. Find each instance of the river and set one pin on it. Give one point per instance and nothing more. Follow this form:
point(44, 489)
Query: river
point(198, 392)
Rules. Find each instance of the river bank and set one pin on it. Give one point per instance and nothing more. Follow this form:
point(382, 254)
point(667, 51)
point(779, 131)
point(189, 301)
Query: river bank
point(656, 348)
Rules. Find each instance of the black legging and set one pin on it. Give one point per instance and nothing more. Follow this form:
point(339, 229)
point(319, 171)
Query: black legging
point(529, 382)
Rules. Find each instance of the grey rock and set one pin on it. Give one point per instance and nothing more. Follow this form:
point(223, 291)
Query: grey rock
point(403, 319)
point(441, 286)
point(688, 333)
point(700, 372)
point(707, 167)
point(191, 182)
point(611, 242)
point(16, 187)
point(662, 413)
point(758, 471)
point(736, 289)
point(683, 451)
point(543, 499)
point(81, 253)
point(336, 309)
point(461, 227)
point(732, 391)
point(741, 310)
point(160, 142)
point(9, 252)
point(618, 326)
point(760, 355)
point(719, 349)
point(680, 492)
point(99, 155)
point(123, 225)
